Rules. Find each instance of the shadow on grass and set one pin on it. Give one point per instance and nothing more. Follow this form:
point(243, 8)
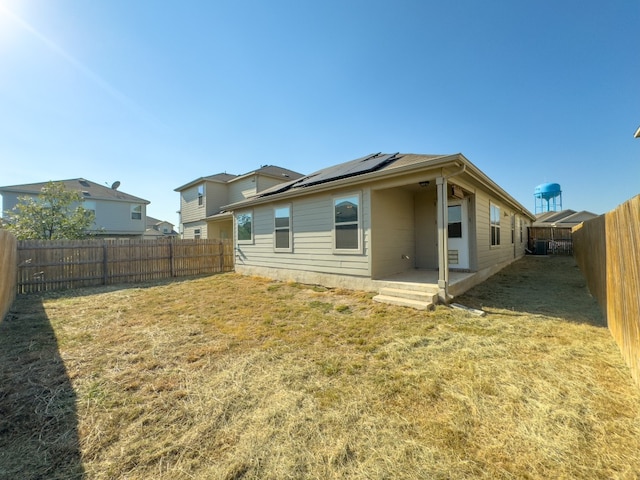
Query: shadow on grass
point(543, 285)
point(38, 419)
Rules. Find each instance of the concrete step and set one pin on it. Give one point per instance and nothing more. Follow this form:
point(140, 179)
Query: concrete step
point(419, 295)
point(417, 287)
point(404, 302)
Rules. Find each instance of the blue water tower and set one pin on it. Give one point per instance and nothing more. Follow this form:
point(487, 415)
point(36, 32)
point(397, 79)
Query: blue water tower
point(548, 198)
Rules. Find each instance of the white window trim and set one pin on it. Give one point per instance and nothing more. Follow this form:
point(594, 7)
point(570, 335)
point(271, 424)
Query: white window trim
point(499, 227)
point(133, 207)
point(347, 251)
point(253, 228)
point(290, 227)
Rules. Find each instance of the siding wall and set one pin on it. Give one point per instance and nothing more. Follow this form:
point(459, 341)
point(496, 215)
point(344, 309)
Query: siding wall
point(312, 224)
point(190, 228)
point(114, 217)
point(426, 229)
point(189, 209)
point(215, 195)
point(488, 255)
point(393, 232)
point(242, 189)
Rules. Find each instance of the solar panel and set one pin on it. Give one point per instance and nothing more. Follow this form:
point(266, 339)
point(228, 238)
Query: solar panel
point(359, 166)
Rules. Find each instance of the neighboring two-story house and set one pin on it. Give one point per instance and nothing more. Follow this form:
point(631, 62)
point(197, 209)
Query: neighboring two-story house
point(159, 229)
point(117, 214)
point(201, 200)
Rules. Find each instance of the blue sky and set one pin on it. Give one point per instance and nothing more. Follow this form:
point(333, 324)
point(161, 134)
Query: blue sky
point(156, 93)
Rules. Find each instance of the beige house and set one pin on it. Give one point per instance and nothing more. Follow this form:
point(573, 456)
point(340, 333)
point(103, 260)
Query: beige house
point(117, 214)
point(412, 227)
point(158, 229)
point(202, 200)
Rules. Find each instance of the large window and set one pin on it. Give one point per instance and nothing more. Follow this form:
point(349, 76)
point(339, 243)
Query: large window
point(455, 221)
point(346, 215)
point(244, 224)
point(136, 212)
point(200, 194)
point(495, 225)
point(282, 228)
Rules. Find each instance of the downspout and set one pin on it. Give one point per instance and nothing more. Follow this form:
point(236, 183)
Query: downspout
point(443, 237)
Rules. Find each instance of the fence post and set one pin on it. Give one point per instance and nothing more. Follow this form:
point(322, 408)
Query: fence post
point(105, 263)
point(171, 262)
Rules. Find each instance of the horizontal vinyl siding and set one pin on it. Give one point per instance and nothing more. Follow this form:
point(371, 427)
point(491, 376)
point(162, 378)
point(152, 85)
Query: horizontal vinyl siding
point(189, 208)
point(242, 189)
point(190, 228)
point(488, 255)
point(214, 197)
point(312, 224)
point(393, 231)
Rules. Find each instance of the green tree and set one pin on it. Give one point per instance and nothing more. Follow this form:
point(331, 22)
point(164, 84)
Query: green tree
point(56, 213)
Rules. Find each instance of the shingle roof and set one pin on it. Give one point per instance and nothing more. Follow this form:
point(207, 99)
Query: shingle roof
point(562, 219)
point(89, 190)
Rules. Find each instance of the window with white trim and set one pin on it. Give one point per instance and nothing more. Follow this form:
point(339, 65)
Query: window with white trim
point(244, 227)
point(197, 234)
point(136, 212)
point(282, 228)
point(200, 194)
point(495, 224)
point(346, 223)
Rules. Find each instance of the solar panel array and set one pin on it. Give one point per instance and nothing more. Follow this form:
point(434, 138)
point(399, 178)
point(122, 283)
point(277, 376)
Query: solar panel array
point(359, 166)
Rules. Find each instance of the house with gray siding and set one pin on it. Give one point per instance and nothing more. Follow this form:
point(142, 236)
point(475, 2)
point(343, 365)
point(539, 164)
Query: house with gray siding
point(415, 228)
point(117, 214)
point(201, 200)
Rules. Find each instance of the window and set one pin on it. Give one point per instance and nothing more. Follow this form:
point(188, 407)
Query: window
point(200, 194)
point(136, 212)
point(196, 234)
point(521, 221)
point(455, 221)
point(89, 205)
point(244, 227)
point(513, 229)
point(495, 225)
point(282, 228)
point(347, 222)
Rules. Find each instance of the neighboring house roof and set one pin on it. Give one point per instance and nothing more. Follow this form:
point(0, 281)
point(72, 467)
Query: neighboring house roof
point(267, 170)
point(90, 190)
point(153, 226)
point(562, 219)
point(154, 221)
point(373, 167)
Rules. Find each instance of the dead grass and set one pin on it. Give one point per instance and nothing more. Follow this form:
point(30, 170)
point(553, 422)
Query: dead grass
point(229, 377)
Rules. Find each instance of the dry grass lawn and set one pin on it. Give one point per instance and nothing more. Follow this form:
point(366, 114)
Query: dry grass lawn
point(229, 377)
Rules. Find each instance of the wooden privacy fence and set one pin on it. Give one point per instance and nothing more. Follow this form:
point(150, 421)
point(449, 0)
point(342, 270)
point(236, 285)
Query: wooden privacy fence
point(8, 262)
point(46, 265)
point(607, 250)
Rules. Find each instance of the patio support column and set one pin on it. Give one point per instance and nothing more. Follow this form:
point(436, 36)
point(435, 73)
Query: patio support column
point(443, 238)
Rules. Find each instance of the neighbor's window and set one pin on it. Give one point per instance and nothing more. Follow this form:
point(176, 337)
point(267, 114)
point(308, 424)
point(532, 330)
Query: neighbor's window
point(89, 205)
point(200, 194)
point(136, 212)
point(455, 221)
point(347, 222)
point(244, 225)
point(196, 234)
point(282, 228)
point(495, 225)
